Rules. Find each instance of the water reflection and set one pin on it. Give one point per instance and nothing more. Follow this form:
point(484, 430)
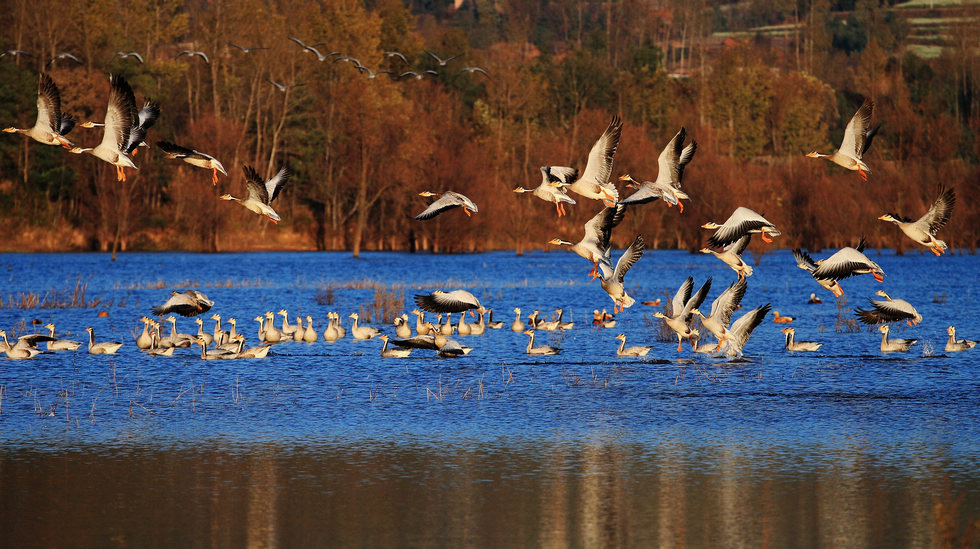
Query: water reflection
point(362, 493)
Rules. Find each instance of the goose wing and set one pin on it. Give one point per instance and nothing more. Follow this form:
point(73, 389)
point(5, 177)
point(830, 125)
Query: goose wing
point(647, 193)
point(278, 181)
point(599, 167)
point(855, 134)
point(803, 258)
point(464, 201)
point(742, 328)
point(183, 304)
point(175, 151)
point(456, 301)
point(682, 296)
point(738, 224)
point(628, 259)
point(939, 213)
point(673, 159)
point(120, 115)
point(843, 264)
point(892, 310)
point(253, 183)
point(598, 230)
point(417, 342)
point(726, 303)
point(48, 105)
point(442, 204)
point(558, 174)
point(739, 245)
point(696, 300)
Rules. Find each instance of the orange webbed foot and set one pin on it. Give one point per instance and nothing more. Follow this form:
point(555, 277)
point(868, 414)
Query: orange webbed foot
point(680, 207)
point(878, 277)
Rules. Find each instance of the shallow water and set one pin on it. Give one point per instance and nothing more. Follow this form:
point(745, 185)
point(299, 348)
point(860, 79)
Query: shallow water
point(329, 444)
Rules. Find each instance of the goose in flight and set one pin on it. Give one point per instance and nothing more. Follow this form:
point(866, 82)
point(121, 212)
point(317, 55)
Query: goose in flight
point(857, 139)
point(455, 301)
point(805, 262)
point(417, 75)
point(847, 262)
point(312, 49)
point(442, 62)
point(193, 53)
point(738, 334)
point(595, 243)
point(64, 55)
point(446, 202)
point(390, 54)
point(721, 311)
point(282, 87)
point(128, 54)
point(120, 117)
point(15, 53)
point(247, 49)
point(925, 228)
point(623, 350)
point(261, 195)
point(545, 191)
point(889, 310)
point(145, 118)
point(471, 70)
point(953, 344)
point(893, 345)
point(792, 345)
point(187, 303)
point(670, 172)
point(103, 348)
point(612, 279)
point(731, 255)
point(194, 158)
point(51, 124)
point(594, 180)
point(743, 221)
point(682, 308)
point(540, 349)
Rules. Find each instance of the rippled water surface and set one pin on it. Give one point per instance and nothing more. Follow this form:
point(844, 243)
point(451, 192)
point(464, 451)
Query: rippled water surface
point(331, 445)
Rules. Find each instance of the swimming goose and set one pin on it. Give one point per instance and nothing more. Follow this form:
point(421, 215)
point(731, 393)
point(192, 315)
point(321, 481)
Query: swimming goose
point(362, 332)
point(445, 328)
point(214, 354)
point(594, 180)
point(288, 330)
point(814, 300)
point(792, 345)
point(261, 320)
point(309, 334)
point(18, 352)
point(546, 325)
point(925, 228)
point(446, 202)
point(455, 301)
point(805, 262)
point(155, 349)
point(549, 193)
point(201, 333)
point(563, 325)
point(847, 262)
point(742, 222)
point(893, 345)
point(393, 353)
point(272, 334)
point(194, 158)
point(721, 311)
point(738, 334)
point(120, 117)
point(731, 255)
point(55, 344)
point(781, 319)
point(540, 349)
point(595, 242)
point(103, 348)
point(857, 139)
point(341, 331)
point(494, 324)
point(670, 172)
point(51, 124)
point(144, 340)
point(682, 307)
point(402, 329)
point(330, 333)
point(630, 351)
point(176, 339)
point(421, 328)
point(251, 352)
point(479, 326)
point(518, 324)
point(186, 303)
point(261, 195)
point(462, 328)
point(890, 310)
point(953, 344)
point(220, 335)
point(612, 280)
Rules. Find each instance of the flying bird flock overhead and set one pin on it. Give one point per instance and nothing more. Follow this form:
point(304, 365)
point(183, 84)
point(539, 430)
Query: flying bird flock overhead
point(125, 129)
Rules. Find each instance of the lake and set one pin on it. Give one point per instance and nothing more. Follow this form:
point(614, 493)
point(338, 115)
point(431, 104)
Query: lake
point(329, 444)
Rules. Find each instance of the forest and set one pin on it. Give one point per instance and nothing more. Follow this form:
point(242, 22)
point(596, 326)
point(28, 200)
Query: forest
point(756, 84)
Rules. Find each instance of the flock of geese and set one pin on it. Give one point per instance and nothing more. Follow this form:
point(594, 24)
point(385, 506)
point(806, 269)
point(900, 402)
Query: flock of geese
point(125, 130)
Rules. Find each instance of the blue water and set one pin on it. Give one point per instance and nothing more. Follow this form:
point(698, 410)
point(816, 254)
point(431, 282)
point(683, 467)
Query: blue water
point(893, 420)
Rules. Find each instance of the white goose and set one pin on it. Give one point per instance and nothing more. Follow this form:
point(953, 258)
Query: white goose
point(261, 195)
point(594, 245)
point(792, 345)
point(738, 334)
point(550, 193)
point(18, 352)
point(721, 311)
point(857, 139)
point(670, 172)
point(847, 262)
point(731, 255)
point(630, 351)
point(924, 229)
point(362, 332)
point(51, 124)
point(194, 158)
point(889, 310)
point(743, 221)
point(446, 202)
point(612, 280)
point(594, 180)
point(60, 344)
point(540, 349)
point(805, 262)
point(681, 309)
point(103, 348)
point(120, 117)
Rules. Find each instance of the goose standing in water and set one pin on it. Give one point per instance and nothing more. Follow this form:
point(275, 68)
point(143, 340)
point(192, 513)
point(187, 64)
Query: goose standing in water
point(805, 262)
point(630, 351)
point(847, 262)
point(738, 334)
point(421, 327)
point(494, 324)
point(330, 333)
point(362, 332)
point(603, 319)
point(455, 301)
point(792, 345)
point(889, 310)
point(194, 158)
point(682, 308)
point(120, 117)
point(894, 345)
point(402, 329)
point(953, 344)
point(857, 139)
point(550, 193)
point(446, 202)
point(393, 353)
point(518, 324)
point(309, 334)
point(261, 195)
point(540, 349)
point(144, 340)
point(594, 180)
point(743, 221)
point(721, 311)
point(924, 230)
point(612, 279)
point(670, 172)
point(103, 348)
point(272, 334)
point(51, 125)
point(731, 255)
point(595, 243)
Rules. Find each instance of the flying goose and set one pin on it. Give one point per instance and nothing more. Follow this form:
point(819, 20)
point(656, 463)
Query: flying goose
point(925, 228)
point(51, 124)
point(612, 279)
point(442, 62)
point(738, 334)
point(805, 262)
point(246, 49)
point(393, 353)
point(261, 195)
point(681, 308)
point(630, 351)
point(595, 242)
point(889, 310)
point(120, 117)
point(362, 332)
point(742, 222)
point(731, 255)
point(857, 138)
point(670, 172)
point(64, 55)
point(549, 193)
point(417, 75)
point(893, 345)
point(847, 262)
point(594, 180)
point(194, 158)
point(312, 49)
point(446, 202)
point(455, 301)
point(145, 118)
point(953, 344)
point(540, 349)
point(193, 53)
point(186, 303)
point(18, 352)
point(471, 70)
point(103, 348)
point(792, 345)
point(128, 54)
point(721, 311)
